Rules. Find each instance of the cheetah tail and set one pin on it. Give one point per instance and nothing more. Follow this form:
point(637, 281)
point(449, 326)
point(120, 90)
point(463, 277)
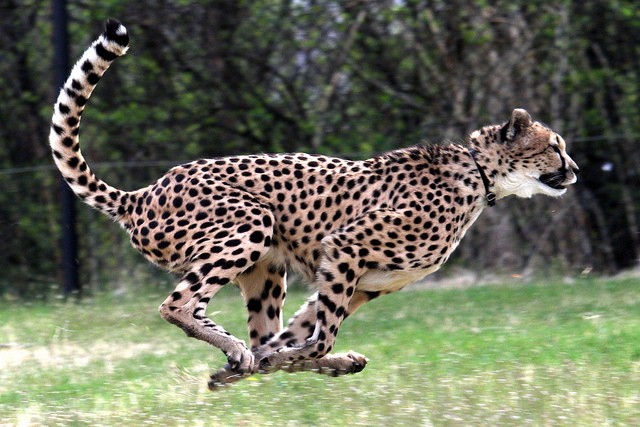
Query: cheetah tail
point(63, 137)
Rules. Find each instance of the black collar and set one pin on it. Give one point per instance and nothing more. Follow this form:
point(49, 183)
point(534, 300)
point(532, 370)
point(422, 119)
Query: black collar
point(491, 196)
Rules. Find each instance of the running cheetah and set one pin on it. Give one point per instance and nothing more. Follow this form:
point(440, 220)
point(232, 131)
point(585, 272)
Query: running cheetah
point(354, 229)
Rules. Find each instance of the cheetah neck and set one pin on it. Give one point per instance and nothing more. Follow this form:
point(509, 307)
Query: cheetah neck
point(490, 196)
point(490, 159)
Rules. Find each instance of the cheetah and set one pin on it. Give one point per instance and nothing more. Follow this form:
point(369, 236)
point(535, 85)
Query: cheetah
point(355, 230)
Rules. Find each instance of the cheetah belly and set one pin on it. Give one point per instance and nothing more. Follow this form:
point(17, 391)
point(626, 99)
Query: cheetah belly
point(390, 281)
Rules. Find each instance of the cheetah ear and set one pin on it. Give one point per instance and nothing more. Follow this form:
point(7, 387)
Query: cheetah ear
point(519, 121)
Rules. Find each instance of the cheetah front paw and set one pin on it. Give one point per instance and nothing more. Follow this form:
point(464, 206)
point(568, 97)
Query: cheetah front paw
point(274, 361)
point(333, 365)
point(336, 365)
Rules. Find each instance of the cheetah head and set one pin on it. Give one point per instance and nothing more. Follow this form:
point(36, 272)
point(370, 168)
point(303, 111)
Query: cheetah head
point(530, 158)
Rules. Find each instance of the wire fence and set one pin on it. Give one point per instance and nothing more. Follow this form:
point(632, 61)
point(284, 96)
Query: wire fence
point(170, 163)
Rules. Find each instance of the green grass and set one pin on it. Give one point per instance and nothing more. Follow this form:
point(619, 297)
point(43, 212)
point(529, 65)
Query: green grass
point(553, 354)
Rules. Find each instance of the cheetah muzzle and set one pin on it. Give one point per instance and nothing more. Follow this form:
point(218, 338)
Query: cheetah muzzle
point(355, 230)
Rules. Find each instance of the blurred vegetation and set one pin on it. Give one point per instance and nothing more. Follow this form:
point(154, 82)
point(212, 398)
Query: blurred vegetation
point(351, 78)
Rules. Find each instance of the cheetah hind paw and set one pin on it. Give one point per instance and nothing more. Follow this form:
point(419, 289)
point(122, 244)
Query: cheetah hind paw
point(240, 360)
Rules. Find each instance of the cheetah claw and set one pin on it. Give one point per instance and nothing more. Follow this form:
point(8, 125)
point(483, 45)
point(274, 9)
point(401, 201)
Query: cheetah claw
point(240, 360)
point(224, 377)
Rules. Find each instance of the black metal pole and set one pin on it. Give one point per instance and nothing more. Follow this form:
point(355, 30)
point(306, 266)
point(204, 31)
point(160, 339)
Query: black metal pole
point(69, 241)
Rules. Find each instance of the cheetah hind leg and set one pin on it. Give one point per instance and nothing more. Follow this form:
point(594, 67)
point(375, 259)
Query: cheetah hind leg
point(186, 307)
point(264, 289)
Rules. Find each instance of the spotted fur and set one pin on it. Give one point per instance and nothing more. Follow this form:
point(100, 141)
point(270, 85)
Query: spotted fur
point(355, 229)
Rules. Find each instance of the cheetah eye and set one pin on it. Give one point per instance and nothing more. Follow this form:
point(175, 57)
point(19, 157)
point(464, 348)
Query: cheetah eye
point(553, 141)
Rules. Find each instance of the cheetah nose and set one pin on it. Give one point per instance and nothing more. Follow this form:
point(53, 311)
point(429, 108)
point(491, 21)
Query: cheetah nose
point(573, 166)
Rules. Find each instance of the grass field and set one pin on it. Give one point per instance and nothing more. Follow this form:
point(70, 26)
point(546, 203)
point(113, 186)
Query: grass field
point(552, 354)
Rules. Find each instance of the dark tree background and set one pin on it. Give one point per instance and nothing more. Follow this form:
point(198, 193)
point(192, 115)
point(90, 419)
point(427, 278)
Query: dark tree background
point(351, 78)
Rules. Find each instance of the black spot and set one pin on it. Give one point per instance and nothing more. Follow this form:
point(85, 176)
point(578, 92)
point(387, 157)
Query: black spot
point(322, 316)
point(337, 288)
point(256, 237)
point(221, 234)
point(192, 278)
point(286, 335)
point(271, 312)
point(331, 306)
point(104, 53)
point(254, 304)
point(206, 269)
point(93, 78)
point(351, 275)
point(87, 66)
point(220, 211)
point(328, 276)
point(244, 228)
point(276, 292)
point(73, 162)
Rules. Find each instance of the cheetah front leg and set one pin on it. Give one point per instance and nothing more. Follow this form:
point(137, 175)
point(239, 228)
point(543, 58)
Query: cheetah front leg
point(336, 279)
point(300, 328)
point(302, 325)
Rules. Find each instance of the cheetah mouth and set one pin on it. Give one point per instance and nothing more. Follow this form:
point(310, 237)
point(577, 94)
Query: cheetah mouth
point(555, 180)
